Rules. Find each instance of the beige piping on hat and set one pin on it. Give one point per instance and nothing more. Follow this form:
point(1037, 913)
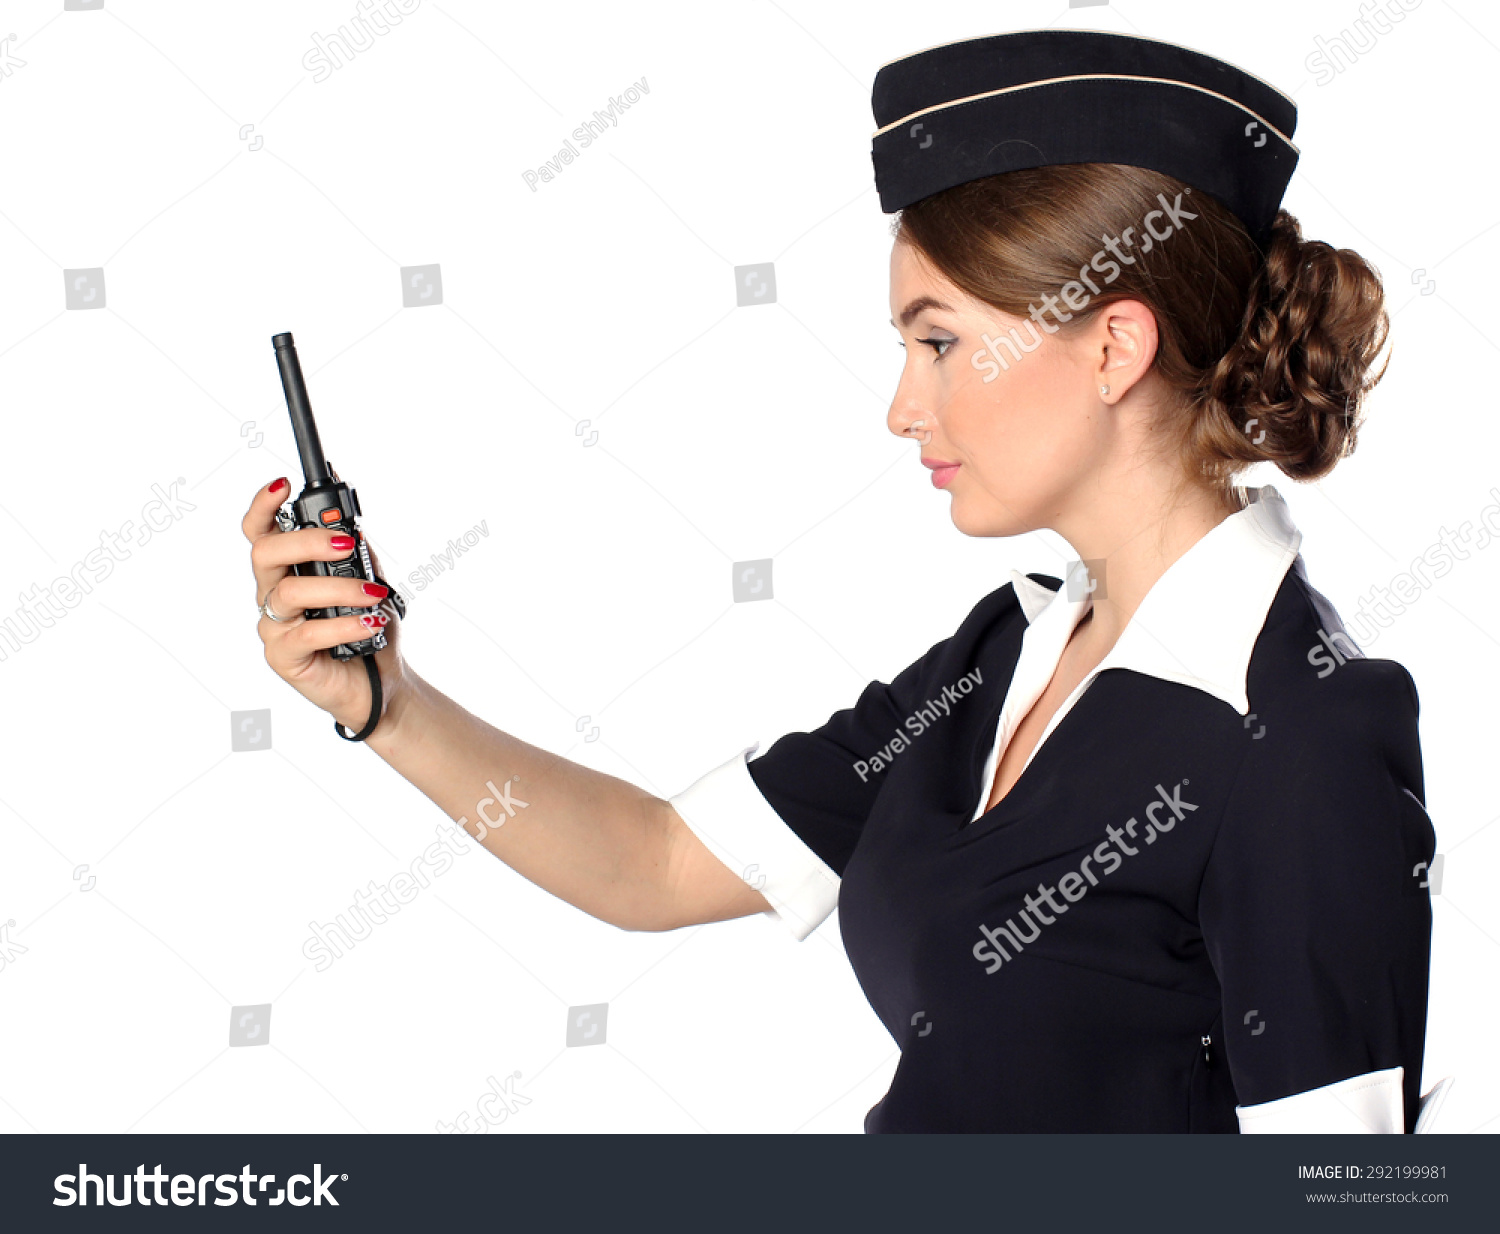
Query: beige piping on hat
point(1052, 81)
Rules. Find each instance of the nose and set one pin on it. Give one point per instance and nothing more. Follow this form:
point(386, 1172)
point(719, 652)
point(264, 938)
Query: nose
point(907, 418)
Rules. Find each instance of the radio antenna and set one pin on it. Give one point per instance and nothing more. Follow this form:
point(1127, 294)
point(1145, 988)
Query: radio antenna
point(309, 447)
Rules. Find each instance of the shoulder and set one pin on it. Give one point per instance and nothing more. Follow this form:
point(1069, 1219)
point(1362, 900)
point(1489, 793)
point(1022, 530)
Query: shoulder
point(1334, 743)
point(1003, 614)
point(1006, 598)
point(986, 642)
point(1008, 605)
point(1305, 663)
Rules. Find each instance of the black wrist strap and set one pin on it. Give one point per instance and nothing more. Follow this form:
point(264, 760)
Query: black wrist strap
point(377, 696)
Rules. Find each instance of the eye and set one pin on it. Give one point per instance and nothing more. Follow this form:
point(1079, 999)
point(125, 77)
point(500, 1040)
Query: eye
point(938, 345)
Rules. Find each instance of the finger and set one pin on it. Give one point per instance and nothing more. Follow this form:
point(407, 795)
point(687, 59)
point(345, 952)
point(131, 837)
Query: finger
point(289, 643)
point(386, 604)
point(286, 614)
point(258, 526)
point(261, 516)
point(296, 592)
point(273, 554)
point(374, 558)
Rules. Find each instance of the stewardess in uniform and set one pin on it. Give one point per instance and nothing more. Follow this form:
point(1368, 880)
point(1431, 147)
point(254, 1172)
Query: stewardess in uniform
point(1136, 848)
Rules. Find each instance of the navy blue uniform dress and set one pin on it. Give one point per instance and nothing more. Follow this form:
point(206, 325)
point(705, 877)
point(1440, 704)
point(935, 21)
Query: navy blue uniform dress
point(1205, 891)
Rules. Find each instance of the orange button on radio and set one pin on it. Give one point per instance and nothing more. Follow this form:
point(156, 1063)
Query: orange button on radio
point(332, 515)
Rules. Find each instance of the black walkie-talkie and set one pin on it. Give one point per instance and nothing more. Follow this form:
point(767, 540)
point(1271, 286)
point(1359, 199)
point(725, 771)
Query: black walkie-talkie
point(329, 503)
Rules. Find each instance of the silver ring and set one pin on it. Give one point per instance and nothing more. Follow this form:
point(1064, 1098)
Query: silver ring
point(265, 608)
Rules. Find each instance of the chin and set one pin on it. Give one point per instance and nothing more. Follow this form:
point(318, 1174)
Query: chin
point(985, 523)
point(987, 516)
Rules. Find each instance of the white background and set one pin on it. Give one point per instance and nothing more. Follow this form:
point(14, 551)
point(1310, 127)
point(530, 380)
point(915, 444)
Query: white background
point(603, 587)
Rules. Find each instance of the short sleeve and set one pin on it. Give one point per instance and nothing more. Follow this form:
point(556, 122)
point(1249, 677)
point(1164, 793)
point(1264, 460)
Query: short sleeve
point(787, 821)
point(1314, 906)
point(726, 811)
point(824, 783)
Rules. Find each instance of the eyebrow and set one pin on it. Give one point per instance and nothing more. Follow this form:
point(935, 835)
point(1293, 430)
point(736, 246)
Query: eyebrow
point(921, 303)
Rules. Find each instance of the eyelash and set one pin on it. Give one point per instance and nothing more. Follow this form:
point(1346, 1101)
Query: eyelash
point(936, 344)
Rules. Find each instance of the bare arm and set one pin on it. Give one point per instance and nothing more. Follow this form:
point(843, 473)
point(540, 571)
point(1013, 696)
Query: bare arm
point(602, 844)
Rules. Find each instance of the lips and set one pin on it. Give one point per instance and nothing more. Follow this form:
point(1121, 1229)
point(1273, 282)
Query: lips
point(942, 471)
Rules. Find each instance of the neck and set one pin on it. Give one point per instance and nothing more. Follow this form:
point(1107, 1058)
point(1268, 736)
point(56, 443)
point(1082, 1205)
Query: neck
point(1137, 531)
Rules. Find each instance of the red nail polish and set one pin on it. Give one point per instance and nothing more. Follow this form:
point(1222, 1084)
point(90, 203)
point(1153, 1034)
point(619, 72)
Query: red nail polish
point(376, 590)
point(277, 485)
point(341, 542)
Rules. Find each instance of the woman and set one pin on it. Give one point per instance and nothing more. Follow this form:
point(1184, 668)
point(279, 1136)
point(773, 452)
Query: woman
point(1141, 852)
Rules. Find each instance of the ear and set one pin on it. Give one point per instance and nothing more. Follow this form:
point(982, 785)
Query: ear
point(1124, 341)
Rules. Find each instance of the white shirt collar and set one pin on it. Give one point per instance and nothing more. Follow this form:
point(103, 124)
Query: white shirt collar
point(1199, 622)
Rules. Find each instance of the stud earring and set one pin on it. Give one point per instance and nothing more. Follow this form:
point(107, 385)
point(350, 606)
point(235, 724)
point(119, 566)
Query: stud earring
point(1103, 389)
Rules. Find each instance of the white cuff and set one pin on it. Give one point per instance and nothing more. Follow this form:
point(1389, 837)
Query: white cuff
point(1363, 1103)
point(1428, 1107)
point(1370, 1103)
point(730, 815)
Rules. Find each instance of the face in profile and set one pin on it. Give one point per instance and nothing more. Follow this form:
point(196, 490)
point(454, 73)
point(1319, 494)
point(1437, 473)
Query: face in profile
point(1018, 449)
